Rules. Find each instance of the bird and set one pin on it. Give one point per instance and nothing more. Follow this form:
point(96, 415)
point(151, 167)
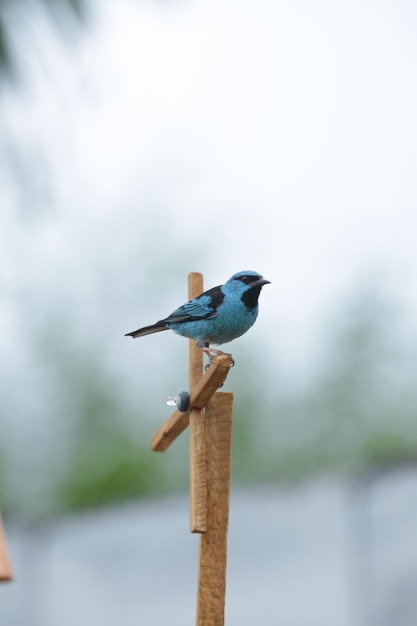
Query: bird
point(216, 316)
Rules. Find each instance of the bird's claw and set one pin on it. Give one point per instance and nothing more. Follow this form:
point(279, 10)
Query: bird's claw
point(212, 353)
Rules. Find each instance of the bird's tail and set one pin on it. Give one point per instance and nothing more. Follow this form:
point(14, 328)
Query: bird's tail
point(147, 330)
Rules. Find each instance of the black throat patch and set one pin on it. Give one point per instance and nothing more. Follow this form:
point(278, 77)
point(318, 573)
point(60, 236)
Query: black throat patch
point(250, 297)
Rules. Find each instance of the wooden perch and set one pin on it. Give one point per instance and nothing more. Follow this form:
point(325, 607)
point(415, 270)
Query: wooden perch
point(200, 395)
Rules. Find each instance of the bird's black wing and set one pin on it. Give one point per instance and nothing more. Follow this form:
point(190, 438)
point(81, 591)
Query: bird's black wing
point(203, 307)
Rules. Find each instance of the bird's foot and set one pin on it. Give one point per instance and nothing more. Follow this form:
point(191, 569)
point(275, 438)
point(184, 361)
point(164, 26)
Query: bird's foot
point(212, 353)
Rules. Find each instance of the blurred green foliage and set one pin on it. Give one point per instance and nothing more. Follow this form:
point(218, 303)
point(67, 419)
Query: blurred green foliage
point(360, 409)
point(3, 473)
point(106, 455)
point(357, 412)
point(104, 461)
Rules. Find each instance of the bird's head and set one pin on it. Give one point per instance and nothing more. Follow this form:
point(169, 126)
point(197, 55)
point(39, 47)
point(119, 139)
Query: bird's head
point(246, 285)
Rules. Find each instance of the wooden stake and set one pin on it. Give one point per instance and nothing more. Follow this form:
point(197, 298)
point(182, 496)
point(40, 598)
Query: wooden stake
point(213, 543)
point(6, 573)
point(198, 488)
point(210, 420)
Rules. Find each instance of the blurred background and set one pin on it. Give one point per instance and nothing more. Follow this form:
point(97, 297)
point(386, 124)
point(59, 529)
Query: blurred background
point(141, 140)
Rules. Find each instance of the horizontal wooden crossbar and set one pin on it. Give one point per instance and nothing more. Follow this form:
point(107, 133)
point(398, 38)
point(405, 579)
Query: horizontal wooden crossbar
point(201, 394)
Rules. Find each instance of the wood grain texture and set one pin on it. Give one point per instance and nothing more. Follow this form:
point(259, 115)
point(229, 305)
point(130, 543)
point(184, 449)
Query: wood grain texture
point(169, 431)
point(195, 288)
point(6, 572)
point(198, 480)
point(213, 543)
point(198, 486)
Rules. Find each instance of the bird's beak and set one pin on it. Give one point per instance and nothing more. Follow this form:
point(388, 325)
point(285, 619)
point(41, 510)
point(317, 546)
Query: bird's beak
point(261, 282)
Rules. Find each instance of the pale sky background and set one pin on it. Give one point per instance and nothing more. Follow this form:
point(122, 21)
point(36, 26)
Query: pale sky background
point(276, 136)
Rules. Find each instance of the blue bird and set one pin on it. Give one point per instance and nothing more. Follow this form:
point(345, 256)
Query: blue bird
point(217, 316)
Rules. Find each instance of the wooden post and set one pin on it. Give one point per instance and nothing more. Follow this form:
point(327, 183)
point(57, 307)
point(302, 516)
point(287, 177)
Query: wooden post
point(198, 486)
point(210, 420)
point(213, 543)
point(6, 573)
